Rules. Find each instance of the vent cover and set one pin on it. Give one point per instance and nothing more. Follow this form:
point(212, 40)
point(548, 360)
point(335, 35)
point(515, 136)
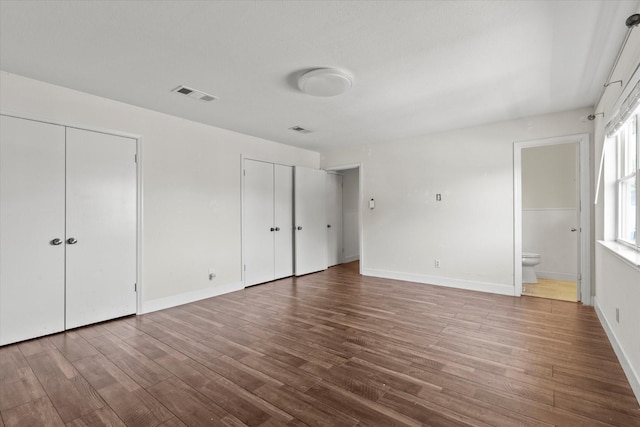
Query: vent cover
point(195, 94)
point(299, 129)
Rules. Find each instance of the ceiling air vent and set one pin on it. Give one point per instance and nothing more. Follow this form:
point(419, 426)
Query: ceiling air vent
point(299, 129)
point(195, 94)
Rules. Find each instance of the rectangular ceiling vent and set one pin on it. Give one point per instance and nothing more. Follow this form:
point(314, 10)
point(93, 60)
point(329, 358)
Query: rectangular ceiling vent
point(195, 94)
point(299, 129)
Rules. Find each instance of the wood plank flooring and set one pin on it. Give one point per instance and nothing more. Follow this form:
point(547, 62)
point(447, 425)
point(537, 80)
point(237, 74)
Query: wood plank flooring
point(327, 349)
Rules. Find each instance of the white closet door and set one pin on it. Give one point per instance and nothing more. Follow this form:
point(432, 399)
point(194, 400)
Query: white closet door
point(258, 222)
point(101, 217)
point(334, 219)
point(31, 217)
point(310, 220)
point(283, 221)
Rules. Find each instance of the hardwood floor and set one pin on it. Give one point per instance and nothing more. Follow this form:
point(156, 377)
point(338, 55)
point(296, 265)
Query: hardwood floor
point(549, 288)
point(328, 349)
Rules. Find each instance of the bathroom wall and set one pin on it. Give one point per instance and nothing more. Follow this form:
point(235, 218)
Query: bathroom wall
point(549, 201)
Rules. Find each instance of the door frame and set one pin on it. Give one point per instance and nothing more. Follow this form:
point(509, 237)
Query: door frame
point(360, 168)
point(584, 210)
point(139, 184)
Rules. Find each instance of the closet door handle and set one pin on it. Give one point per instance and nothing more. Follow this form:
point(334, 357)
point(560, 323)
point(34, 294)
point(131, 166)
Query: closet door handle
point(299, 228)
point(72, 240)
point(56, 242)
point(328, 225)
point(277, 228)
point(273, 229)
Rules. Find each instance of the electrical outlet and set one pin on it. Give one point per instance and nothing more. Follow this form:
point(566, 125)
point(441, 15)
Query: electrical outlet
point(617, 315)
point(212, 274)
point(437, 263)
point(438, 197)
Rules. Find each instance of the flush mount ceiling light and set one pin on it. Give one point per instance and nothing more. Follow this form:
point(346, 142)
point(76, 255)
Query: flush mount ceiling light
point(325, 82)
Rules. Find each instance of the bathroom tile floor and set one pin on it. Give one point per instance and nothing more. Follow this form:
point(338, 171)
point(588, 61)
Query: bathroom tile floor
point(552, 289)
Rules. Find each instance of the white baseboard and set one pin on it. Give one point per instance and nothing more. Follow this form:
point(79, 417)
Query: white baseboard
point(493, 288)
point(350, 258)
point(553, 275)
point(187, 297)
point(627, 367)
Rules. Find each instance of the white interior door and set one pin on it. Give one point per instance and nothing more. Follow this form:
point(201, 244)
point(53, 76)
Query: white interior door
point(283, 221)
point(334, 219)
point(310, 220)
point(258, 222)
point(101, 220)
point(31, 217)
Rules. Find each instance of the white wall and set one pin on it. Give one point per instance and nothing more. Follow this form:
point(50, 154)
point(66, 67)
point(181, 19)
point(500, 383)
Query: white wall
point(191, 179)
point(617, 284)
point(471, 230)
point(350, 205)
point(618, 287)
point(549, 194)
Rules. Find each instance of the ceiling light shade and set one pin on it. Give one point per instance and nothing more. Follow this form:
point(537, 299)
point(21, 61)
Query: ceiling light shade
point(325, 82)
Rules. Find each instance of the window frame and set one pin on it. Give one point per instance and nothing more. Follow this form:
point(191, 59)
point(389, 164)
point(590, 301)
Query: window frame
point(622, 177)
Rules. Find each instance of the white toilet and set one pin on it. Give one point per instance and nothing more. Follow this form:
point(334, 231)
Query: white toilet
point(529, 260)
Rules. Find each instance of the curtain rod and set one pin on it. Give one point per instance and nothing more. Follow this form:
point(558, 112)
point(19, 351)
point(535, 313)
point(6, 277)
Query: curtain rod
point(631, 22)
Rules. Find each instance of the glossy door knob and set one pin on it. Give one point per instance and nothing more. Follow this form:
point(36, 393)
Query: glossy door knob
point(72, 241)
point(328, 225)
point(299, 228)
point(277, 228)
point(56, 242)
point(273, 229)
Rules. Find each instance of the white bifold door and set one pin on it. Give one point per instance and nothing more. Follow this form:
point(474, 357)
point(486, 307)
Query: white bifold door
point(310, 220)
point(67, 228)
point(268, 222)
point(32, 222)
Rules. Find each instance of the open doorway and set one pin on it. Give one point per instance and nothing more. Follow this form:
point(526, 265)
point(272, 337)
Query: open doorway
point(344, 225)
point(551, 218)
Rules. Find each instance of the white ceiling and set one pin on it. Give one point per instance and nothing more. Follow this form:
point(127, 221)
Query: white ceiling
point(418, 67)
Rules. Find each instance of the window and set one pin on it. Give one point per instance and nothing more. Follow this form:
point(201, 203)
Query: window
point(627, 176)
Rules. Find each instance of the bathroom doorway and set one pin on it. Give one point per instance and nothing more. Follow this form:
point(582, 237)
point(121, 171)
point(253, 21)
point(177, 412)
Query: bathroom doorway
point(550, 221)
point(551, 218)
